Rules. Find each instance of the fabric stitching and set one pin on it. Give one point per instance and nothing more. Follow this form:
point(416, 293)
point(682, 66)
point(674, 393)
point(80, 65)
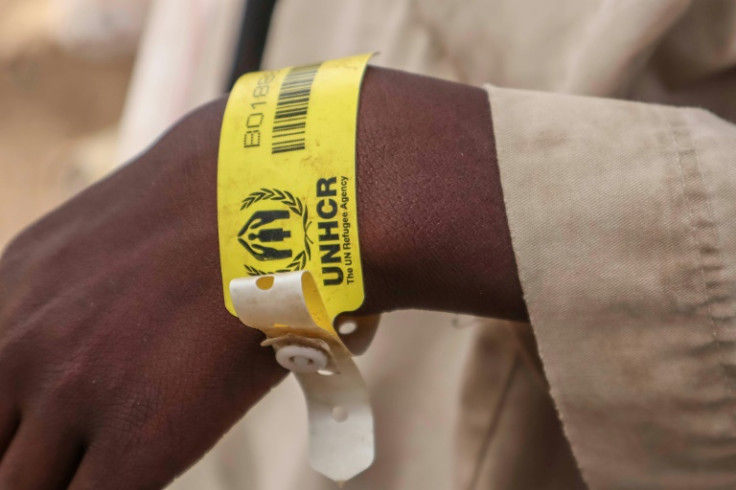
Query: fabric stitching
point(698, 244)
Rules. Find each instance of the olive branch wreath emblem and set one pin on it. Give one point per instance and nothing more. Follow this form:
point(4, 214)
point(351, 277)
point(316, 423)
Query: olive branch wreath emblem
point(296, 206)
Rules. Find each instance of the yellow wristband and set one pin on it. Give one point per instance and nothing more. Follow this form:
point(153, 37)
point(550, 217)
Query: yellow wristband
point(289, 250)
point(286, 179)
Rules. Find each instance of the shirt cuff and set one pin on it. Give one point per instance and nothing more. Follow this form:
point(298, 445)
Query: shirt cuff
point(622, 218)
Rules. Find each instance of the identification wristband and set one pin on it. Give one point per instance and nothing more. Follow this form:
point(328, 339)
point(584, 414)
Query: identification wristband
point(289, 248)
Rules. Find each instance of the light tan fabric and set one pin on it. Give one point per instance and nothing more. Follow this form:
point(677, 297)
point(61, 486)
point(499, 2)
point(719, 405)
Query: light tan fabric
point(623, 219)
point(628, 275)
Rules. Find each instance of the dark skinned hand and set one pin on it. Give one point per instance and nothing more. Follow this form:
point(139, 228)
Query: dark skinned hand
point(119, 365)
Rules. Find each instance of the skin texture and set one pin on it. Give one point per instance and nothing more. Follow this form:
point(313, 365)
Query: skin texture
point(119, 366)
point(431, 217)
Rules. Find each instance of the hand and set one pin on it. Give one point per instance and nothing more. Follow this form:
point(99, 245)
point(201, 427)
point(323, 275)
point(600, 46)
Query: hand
point(119, 365)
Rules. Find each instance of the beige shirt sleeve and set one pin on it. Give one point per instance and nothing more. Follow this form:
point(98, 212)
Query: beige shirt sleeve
point(623, 220)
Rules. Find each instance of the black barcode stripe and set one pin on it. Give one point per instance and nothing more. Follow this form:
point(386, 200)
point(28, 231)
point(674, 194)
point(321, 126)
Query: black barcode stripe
point(289, 127)
point(290, 121)
point(284, 149)
point(285, 114)
point(296, 101)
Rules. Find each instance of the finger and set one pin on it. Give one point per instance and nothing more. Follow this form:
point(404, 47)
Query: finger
point(39, 457)
point(9, 421)
point(357, 332)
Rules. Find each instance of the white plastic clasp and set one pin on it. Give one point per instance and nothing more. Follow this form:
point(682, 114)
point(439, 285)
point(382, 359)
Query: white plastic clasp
point(341, 441)
point(301, 359)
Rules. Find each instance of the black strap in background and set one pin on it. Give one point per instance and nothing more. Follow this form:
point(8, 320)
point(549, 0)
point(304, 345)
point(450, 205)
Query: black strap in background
point(252, 39)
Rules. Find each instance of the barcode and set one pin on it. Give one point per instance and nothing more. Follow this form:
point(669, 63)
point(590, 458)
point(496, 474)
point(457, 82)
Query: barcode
point(290, 122)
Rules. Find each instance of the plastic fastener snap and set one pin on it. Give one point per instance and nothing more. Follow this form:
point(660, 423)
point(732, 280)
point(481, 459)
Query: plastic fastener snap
point(301, 359)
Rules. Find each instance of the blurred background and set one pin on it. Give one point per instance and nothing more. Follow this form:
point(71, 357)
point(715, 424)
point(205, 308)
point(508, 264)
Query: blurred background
point(61, 97)
point(87, 84)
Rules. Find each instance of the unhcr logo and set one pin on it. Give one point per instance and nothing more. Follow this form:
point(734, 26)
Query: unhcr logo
point(275, 231)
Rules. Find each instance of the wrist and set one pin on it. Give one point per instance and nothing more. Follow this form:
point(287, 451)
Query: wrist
point(432, 222)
